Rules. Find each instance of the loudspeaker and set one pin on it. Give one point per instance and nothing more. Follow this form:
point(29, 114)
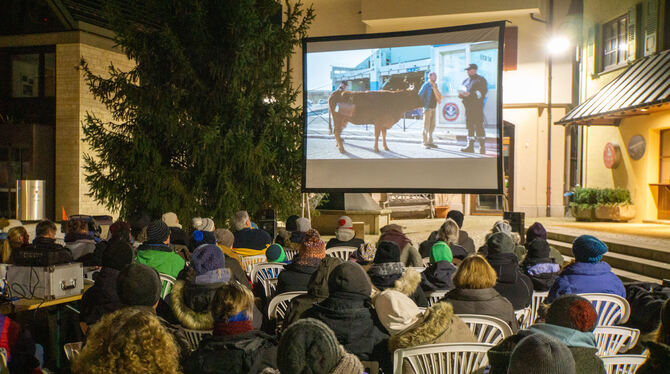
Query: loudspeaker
point(267, 221)
point(517, 220)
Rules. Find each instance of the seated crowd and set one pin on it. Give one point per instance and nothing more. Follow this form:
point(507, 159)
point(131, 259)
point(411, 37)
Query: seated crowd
point(350, 316)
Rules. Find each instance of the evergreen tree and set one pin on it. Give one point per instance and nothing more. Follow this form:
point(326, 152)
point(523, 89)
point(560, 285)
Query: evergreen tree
point(206, 123)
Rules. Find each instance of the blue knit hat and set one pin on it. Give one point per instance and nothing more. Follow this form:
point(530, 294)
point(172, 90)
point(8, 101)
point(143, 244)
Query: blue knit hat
point(207, 257)
point(588, 248)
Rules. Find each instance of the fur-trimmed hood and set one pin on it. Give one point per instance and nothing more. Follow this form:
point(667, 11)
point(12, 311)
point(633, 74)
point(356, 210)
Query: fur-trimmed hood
point(188, 317)
point(408, 282)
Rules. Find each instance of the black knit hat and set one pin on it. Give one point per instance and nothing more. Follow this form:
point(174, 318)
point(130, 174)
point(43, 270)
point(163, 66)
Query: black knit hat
point(350, 278)
point(291, 223)
point(538, 249)
point(500, 242)
point(117, 255)
point(138, 285)
point(574, 312)
point(387, 252)
point(157, 232)
point(457, 216)
point(308, 346)
point(539, 353)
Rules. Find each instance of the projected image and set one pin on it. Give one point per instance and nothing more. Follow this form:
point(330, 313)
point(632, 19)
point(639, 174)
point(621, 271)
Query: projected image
point(431, 101)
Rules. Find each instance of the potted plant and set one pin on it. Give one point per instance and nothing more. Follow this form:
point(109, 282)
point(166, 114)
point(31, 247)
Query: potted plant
point(614, 205)
point(584, 203)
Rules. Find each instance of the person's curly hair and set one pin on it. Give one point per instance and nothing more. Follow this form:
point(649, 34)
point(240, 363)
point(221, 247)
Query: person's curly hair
point(130, 340)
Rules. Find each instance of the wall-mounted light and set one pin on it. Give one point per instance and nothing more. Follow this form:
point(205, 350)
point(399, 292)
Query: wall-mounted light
point(558, 44)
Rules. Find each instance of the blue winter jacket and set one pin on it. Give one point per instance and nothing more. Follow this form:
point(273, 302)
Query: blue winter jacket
point(583, 277)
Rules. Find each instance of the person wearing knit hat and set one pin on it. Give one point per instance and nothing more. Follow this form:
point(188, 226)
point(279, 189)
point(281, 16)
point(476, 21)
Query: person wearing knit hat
point(348, 312)
point(388, 272)
point(275, 253)
point(658, 360)
point(199, 238)
point(203, 224)
point(225, 239)
point(171, 219)
point(511, 283)
point(409, 255)
point(284, 233)
point(345, 236)
point(438, 275)
point(102, 297)
point(309, 346)
point(410, 327)
point(296, 237)
point(504, 226)
point(541, 354)
point(587, 274)
point(248, 241)
point(539, 266)
point(463, 238)
point(295, 276)
point(537, 231)
point(156, 252)
point(119, 230)
point(364, 255)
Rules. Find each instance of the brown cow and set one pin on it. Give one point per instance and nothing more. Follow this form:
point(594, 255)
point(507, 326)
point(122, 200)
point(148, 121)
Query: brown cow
point(380, 108)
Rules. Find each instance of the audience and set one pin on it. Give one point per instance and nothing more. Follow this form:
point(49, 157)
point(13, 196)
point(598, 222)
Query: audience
point(364, 255)
point(130, 340)
point(156, 252)
point(224, 240)
point(17, 238)
point(540, 353)
point(317, 290)
point(511, 283)
point(345, 236)
point(388, 272)
point(570, 319)
point(309, 346)
point(505, 228)
point(410, 327)
point(177, 234)
point(409, 256)
point(348, 312)
point(120, 230)
point(464, 240)
point(538, 266)
point(587, 274)
point(203, 224)
point(78, 239)
point(191, 297)
point(448, 233)
point(296, 275)
point(302, 225)
point(659, 349)
point(536, 230)
point(474, 292)
point(249, 241)
point(284, 233)
point(44, 250)
point(275, 253)
point(438, 275)
point(235, 347)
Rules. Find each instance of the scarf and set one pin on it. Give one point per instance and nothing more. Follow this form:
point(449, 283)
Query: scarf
point(348, 364)
point(237, 324)
point(393, 235)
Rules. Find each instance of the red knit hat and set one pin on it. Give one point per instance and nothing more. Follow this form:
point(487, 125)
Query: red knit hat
point(312, 249)
point(574, 312)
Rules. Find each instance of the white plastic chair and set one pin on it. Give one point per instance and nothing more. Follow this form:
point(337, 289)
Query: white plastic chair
point(269, 287)
point(248, 262)
point(265, 270)
point(435, 296)
point(611, 340)
point(446, 358)
point(290, 253)
point(622, 364)
point(279, 305)
point(418, 269)
point(611, 309)
point(487, 329)
point(536, 302)
point(72, 350)
point(168, 282)
point(426, 261)
point(523, 317)
point(342, 253)
point(196, 336)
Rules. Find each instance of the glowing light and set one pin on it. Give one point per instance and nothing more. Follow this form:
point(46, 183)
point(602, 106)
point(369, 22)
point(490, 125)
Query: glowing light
point(558, 44)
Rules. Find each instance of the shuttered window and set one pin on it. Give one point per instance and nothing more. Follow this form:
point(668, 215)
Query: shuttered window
point(510, 48)
point(614, 42)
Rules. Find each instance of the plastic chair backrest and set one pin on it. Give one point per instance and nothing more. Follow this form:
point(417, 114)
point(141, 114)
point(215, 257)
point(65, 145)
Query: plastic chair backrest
point(290, 253)
point(72, 350)
point(622, 364)
point(536, 302)
point(612, 309)
point(168, 282)
point(523, 316)
point(446, 358)
point(611, 340)
point(342, 253)
point(418, 269)
point(269, 287)
point(426, 261)
point(3, 361)
point(196, 336)
point(487, 329)
point(279, 306)
point(435, 296)
point(265, 270)
point(248, 262)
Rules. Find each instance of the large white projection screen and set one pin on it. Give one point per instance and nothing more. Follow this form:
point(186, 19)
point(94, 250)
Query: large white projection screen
point(402, 112)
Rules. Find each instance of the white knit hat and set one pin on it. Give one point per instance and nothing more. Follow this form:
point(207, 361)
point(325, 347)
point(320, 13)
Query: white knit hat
point(396, 311)
point(171, 219)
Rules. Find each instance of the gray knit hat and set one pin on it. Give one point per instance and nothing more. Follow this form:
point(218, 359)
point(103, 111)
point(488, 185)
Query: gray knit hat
point(541, 354)
point(303, 224)
point(138, 285)
point(308, 346)
point(157, 232)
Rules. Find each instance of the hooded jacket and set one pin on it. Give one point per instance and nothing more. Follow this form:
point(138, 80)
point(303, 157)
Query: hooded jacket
point(160, 257)
point(581, 344)
point(486, 301)
point(395, 276)
point(101, 298)
point(438, 276)
point(80, 245)
point(190, 304)
point(464, 241)
point(538, 266)
point(294, 277)
point(658, 360)
point(584, 277)
point(511, 283)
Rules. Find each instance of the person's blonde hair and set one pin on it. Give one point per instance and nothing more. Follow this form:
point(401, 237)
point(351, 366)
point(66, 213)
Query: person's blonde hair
point(130, 340)
point(16, 237)
point(475, 273)
point(230, 300)
point(448, 232)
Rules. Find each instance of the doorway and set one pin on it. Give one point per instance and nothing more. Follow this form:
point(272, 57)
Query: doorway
point(496, 204)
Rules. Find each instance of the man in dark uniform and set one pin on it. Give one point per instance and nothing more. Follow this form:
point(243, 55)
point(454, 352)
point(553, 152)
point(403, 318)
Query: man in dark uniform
point(473, 101)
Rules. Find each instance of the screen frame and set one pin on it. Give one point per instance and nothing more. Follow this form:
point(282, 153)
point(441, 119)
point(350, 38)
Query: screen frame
point(499, 108)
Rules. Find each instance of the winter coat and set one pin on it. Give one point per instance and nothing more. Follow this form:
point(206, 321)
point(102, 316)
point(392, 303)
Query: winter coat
point(581, 344)
point(250, 352)
point(19, 345)
point(354, 242)
point(438, 276)
point(583, 277)
point(160, 257)
point(294, 277)
point(440, 325)
point(42, 252)
point(553, 254)
point(393, 275)
point(180, 338)
point(486, 301)
point(317, 291)
point(191, 304)
point(80, 245)
point(658, 360)
point(511, 283)
point(646, 301)
point(250, 242)
point(101, 298)
point(542, 275)
point(355, 325)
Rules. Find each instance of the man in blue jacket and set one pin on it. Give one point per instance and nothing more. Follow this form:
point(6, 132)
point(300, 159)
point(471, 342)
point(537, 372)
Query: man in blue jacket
point(430, 95)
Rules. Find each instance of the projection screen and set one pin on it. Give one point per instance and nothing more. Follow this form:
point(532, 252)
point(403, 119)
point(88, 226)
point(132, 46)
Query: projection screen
point(416, 111)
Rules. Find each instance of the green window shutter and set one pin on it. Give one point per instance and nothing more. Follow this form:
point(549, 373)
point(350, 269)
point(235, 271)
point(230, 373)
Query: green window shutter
point(651, 27)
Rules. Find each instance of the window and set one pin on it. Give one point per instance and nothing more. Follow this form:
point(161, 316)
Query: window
point(33, 75)
point(665, 157)
point(615, 47)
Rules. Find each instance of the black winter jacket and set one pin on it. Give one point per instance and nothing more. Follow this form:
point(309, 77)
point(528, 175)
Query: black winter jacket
point(512, 284)
point(101, 298)
point(354, 242)
point(250, 352)
point(42, 252)
point(294, 277)
point(438, 276)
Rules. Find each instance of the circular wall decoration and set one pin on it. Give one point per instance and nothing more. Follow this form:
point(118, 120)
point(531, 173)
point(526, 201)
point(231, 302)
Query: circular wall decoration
point(636, 147)
point(450, 111)
point(612, 155)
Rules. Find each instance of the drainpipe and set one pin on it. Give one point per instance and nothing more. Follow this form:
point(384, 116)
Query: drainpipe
point(550, 26)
